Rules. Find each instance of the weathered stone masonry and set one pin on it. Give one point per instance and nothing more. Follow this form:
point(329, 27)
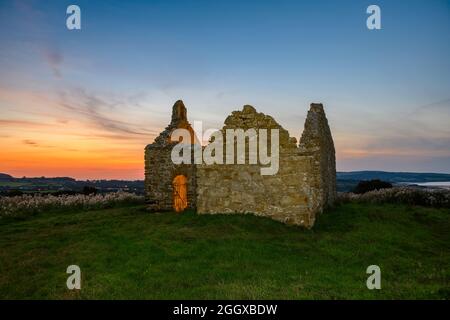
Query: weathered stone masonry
point(304, 185)
point(160, 170)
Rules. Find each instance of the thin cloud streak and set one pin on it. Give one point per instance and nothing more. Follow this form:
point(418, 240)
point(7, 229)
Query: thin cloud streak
point(91, 107)
point(30, 142)
point(21, 123)
point(54, 59)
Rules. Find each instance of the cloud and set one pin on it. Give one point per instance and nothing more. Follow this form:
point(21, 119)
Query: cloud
point(80, 115)
point(436, 105)
point(35, 144)
point(115, 136)
point(93, 108)
point(20, 123)
point(30, 11)
point(30, 142)
point(54, 59)
point(416, 138)
point(413, 143)
point(33, 18)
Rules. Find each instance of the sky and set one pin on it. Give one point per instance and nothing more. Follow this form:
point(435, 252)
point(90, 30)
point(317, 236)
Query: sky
point(84, 103)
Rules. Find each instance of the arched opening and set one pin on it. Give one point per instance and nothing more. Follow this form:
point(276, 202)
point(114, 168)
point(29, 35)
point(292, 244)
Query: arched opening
point(179, 184)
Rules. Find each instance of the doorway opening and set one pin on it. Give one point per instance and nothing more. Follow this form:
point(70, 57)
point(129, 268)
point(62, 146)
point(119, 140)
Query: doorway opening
point(179, 184)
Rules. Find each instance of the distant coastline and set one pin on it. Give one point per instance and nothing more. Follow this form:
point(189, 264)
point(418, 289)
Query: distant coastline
point(431, 184)
point(346, 181)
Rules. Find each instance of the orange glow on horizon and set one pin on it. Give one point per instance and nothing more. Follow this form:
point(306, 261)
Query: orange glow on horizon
point(50, 143)
point(42, 136)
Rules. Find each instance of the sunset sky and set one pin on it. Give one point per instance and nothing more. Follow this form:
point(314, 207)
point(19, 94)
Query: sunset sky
point(84, 103)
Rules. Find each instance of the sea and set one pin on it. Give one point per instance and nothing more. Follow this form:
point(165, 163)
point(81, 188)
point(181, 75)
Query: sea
point(439, 184)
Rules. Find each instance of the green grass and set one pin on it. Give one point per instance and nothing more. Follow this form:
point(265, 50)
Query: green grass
point(128, 253)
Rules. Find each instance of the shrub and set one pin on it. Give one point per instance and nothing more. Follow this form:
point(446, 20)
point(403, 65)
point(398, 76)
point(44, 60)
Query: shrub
point(11, 193)
point(62, 193)
point(370, 185)
point(30, 204)
point(89, 190)
point(405, 195)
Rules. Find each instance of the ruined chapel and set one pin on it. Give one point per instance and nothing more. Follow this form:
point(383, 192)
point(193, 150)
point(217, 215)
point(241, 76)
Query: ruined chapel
point(303, 186)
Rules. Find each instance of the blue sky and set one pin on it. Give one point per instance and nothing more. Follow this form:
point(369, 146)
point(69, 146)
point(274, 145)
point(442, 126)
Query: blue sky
point(386, 92)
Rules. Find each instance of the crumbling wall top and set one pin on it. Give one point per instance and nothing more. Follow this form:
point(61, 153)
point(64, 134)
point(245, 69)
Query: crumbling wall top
point(179, 121)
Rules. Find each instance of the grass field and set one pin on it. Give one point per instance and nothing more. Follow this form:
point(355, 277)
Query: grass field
point(13, 184)
point(128, 253)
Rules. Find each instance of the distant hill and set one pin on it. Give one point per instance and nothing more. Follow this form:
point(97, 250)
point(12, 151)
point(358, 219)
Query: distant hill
point(395, 177)
point(64, 184)
point(346, 181)
point(5, 177)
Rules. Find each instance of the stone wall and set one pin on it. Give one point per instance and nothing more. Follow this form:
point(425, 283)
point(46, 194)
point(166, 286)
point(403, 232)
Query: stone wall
point(317, 140)
point(303, 186)
point(160, 170)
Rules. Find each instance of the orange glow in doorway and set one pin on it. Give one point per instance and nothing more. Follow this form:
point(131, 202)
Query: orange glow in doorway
point(179, 193)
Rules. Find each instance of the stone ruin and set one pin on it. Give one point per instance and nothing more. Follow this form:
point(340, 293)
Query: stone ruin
point(304, 185)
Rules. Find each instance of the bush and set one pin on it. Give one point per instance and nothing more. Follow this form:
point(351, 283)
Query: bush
point(370, 185)
point(87, 190)
point(11, 193)
point(30, 204)
point(411, 196)
point(62, 193)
